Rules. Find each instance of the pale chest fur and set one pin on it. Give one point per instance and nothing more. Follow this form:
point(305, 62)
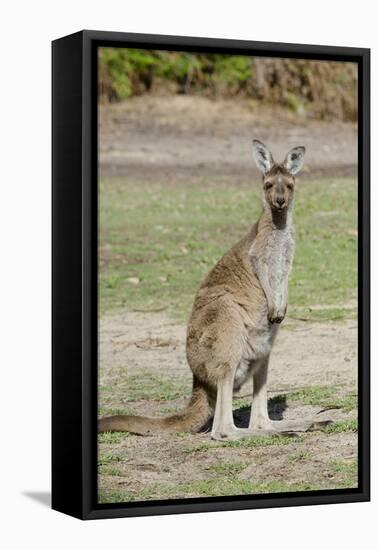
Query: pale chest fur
point(278, 254)
point(271, 255)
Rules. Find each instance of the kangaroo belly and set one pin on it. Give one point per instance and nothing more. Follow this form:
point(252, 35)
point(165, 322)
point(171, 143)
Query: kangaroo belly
point(258, 345)
point(259, 342)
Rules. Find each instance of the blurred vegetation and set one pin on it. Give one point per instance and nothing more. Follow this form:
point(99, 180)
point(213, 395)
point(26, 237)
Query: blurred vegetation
point(317, 89)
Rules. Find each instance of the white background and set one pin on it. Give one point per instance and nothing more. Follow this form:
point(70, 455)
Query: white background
point(26, 31)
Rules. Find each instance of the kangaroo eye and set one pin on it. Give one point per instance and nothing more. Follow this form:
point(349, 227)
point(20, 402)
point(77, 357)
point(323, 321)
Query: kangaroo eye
point(289, 186)
point(268, 185)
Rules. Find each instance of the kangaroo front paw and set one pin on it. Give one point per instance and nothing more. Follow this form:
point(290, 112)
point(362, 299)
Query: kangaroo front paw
point(275, 315)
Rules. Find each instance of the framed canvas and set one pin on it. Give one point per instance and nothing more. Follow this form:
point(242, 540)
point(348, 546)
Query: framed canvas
point(211, 345)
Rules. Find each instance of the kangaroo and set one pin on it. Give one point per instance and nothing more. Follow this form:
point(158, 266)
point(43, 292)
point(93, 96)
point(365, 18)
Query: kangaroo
point(235, 319)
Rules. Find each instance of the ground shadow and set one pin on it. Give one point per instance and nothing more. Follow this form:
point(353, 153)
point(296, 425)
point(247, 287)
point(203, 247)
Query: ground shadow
point(42, 497)
point(276, 406)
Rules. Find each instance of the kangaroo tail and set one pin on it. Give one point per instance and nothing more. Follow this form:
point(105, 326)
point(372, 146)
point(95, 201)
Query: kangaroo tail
point(191, 419)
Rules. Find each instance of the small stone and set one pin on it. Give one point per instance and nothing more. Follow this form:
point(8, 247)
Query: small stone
point(133, 280)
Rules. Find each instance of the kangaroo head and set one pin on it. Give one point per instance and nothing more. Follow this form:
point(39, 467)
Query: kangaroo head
point(278, 179)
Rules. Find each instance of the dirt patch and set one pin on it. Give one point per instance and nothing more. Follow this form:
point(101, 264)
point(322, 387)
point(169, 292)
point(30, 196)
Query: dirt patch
point(308, 354)
point(185, 138)
point(143, 370)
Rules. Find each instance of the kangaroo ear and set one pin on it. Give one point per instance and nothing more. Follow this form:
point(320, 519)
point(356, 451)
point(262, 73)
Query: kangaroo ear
point(263, 157)
point(294, 160)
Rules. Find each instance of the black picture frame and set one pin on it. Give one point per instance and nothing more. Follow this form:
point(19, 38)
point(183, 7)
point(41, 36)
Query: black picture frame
point(74, 272)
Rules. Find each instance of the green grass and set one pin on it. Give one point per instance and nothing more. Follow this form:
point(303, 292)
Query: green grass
point(109, 411)
point(112, 437)
point(341, 426)
point(229, 468)
point(225, 480)
point(299, 456)
point(169, 237)
point(221, 486)
point(326, 314)
point(218, 486)
point(346, 467)
point(107, 458)
point(109, 470)
point(109, 496)
point(149, 385)
point(346, 472)
point(246, 443)
point(328, 397)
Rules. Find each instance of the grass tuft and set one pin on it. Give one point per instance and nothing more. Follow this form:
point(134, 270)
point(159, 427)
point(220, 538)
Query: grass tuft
point(109, 470)
point(340, 426)
point(247, 443)
point(328, 397)
point(228, 468)
point(108, 458)
point(112, 437)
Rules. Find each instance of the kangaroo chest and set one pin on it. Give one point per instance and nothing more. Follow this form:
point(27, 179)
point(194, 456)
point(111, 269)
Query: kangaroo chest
point(278, 255)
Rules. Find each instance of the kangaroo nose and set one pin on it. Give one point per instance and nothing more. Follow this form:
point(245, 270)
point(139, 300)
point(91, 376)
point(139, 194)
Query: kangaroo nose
point(280, 201)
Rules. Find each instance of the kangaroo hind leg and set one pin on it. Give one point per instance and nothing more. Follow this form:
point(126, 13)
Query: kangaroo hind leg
point(259, 419)
point(223, 427)
point(223, 424)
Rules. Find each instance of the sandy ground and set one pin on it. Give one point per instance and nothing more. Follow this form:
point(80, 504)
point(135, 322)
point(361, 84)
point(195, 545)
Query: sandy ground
point(307, 354)
point(185, 138)
point(147, 346)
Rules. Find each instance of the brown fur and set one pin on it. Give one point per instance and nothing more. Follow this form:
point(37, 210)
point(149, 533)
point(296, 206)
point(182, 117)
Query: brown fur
point(191, 419)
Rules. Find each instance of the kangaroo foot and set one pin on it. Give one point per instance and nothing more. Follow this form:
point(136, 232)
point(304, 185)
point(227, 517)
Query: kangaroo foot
point(307, 425)
point(238, 433)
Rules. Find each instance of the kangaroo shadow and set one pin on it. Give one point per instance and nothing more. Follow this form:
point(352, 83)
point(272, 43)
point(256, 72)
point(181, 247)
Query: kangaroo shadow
point(276, 406)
